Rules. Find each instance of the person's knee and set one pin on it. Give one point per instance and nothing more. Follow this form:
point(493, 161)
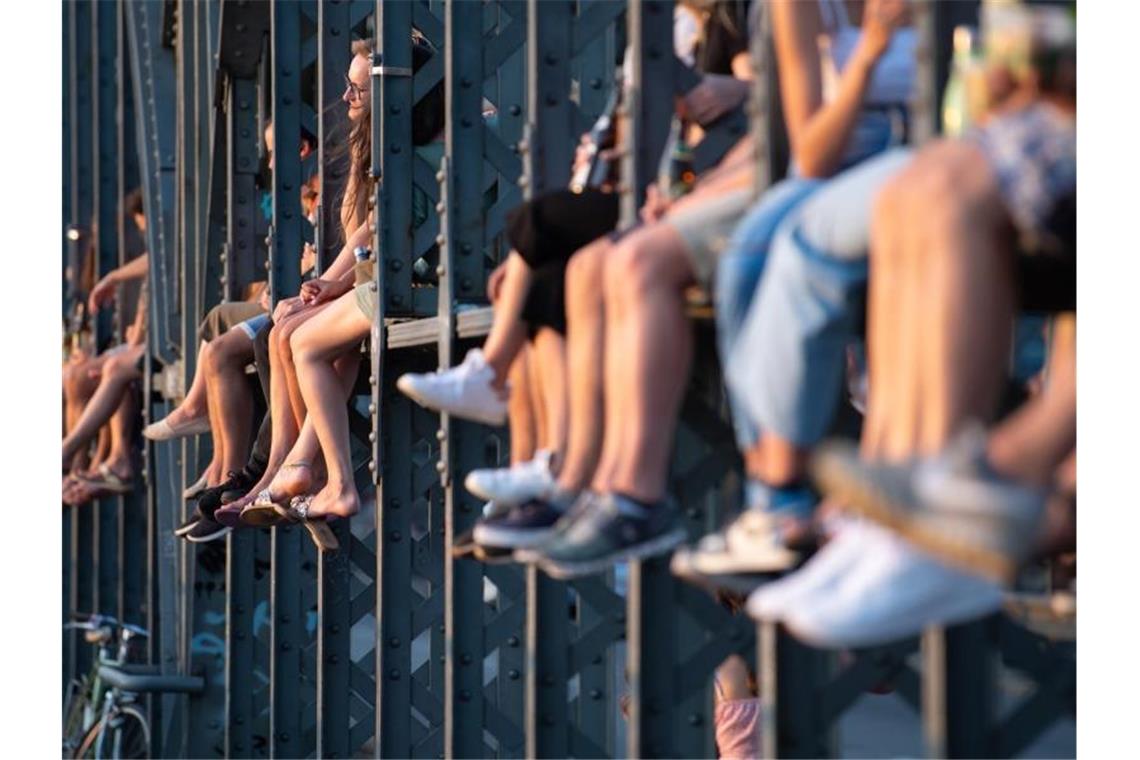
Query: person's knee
point(304, 345)
point(584, 277)
point(631, 269)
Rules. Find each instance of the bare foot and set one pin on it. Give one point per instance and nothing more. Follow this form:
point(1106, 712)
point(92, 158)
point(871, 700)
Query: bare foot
point(294, 479)
point(335, 502)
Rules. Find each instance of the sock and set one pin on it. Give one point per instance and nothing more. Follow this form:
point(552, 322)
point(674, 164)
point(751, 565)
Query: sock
point(795, 499)
point(632, 507)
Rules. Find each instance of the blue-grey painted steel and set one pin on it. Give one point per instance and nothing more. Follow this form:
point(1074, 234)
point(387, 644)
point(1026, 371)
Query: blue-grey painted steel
point(460, 258)
point(152, 76)
point(647, 101)
point(334, 631)
point(288, 686)
point(104, 35)
point(548, 156)
point(79, 22)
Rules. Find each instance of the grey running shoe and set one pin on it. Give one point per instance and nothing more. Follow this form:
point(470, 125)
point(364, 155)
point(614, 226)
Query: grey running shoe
point(609, 529)
point(953, 505)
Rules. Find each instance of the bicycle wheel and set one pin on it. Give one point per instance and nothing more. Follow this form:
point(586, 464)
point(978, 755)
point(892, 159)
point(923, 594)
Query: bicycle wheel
point(127, 735)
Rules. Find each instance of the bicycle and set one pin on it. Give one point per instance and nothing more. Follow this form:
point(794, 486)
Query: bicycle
point(82, 710)
point(103, 704)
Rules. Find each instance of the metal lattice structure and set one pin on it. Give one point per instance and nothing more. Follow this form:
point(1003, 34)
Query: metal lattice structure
point(393, 647)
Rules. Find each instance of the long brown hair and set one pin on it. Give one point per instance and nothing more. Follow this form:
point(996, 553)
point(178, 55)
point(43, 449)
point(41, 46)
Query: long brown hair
point(354, 204)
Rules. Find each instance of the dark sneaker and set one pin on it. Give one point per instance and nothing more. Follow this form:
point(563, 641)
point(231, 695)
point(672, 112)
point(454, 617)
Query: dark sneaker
point(212, 498)
point(525, 526)
point(187, 526)
point(613, 529)
point(205, 531)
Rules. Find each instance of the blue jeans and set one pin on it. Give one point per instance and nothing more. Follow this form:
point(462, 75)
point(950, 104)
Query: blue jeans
point(784, 362)
point(744, 262)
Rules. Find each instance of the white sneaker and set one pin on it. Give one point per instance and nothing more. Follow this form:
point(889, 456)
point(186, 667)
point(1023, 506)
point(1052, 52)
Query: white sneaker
point(821, 574)
point(464, 390)
point(513, 485)
point(892, 591)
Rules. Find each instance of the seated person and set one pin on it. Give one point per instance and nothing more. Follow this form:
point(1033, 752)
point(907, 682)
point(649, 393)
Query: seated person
point(547, 283)
point(648, 340)
point(117, 368)
point(322, 347)
point(938, 351)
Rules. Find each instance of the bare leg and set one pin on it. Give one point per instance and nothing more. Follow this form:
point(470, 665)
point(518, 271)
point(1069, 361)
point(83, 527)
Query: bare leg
point(585, 335)
point(315, 346)
point(118, 372)
point(508, 332)
point(647, 368)
point(1037, 439)
point(284, 332)
point(969, 304)
point(294, 480)
point(521, 414)
point(550, 368)
point(224, 363)
point(122, 427)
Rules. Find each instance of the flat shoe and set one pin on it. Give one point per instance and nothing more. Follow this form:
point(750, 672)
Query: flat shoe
point(164, 431)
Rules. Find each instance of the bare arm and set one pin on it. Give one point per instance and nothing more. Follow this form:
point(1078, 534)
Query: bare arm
point(104, 290)
point(818, 133)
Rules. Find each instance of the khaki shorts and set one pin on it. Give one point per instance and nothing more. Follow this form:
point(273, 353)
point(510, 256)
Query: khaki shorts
point(707, 229)
point(366, 299)
point(225, 316)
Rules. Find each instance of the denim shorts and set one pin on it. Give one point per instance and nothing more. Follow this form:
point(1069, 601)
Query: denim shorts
point(251, 327)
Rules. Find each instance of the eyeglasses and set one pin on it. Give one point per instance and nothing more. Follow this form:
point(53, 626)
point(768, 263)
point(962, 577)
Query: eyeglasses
point(355, 92)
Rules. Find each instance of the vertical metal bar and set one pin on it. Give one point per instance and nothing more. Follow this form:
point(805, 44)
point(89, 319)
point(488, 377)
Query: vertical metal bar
point(287, 632)
point(152, 74)
point(106, 205)
point(240, 143)
point(924, 108)
point(461, 264)
point(132, 521)
point(760, 103)
point(81, 183)
point(650, 657)
point(547, 161)
point(958, 690)
point(81, 90)
point(390, 411)
point(71, 277)
point(334, 661)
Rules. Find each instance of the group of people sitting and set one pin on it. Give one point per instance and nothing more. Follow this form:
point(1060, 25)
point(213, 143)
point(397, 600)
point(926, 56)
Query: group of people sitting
point(924, 256)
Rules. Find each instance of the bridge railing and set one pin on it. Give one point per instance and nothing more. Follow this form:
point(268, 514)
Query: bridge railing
point(393, 646)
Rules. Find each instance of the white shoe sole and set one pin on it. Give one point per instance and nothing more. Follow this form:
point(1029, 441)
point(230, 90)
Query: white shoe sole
point(570, 570)
point(826, 634)
point(408, 388)
point(219, 533)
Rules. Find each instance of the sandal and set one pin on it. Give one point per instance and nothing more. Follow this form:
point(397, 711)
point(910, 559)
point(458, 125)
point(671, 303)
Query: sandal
point(262, 513)
point(265, 512)
point(107, 481)
point(318, 527)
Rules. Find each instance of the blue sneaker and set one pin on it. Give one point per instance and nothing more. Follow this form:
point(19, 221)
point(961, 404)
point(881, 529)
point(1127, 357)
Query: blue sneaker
point(524, 526)
point(607, 529)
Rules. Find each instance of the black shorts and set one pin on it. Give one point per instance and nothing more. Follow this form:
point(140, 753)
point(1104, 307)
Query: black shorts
point(546, 231)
